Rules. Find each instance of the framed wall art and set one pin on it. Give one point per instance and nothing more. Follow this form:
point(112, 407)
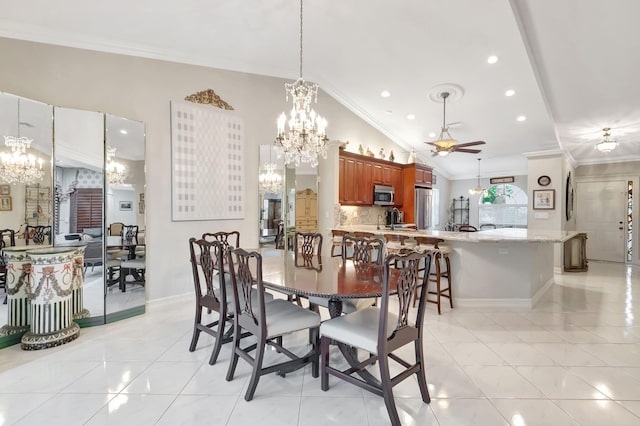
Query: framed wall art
point(126, 205)
point(503, 179)
point(5, 189)
point(544, 199)
point(5, 203)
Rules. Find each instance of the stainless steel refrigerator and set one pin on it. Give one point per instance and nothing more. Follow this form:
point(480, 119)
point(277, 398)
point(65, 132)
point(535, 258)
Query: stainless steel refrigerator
point(422, 207)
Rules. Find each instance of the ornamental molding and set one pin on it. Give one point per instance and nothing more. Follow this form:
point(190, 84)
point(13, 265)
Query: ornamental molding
point(208, 97)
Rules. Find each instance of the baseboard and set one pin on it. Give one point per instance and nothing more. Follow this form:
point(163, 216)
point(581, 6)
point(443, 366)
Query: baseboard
point(536, 297)
point(492, 303)
point(170, 299)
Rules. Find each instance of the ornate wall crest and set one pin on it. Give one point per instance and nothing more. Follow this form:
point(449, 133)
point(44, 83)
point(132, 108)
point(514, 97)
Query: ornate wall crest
point(208, 97)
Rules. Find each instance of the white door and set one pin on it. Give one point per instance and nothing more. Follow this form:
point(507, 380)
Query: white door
point(601, 213)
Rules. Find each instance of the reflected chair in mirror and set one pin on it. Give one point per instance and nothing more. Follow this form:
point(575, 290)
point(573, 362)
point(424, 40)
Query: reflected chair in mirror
point(267, 321)
point(136, 268)
point(279, 234)
point(38, 234)
point(7, 239)
point(440, 270)
point(115, 229)
point(467, 228)
point(382, 331)
point(227, 239)
point(129, 232)
point(93, 255)
point(308, 250)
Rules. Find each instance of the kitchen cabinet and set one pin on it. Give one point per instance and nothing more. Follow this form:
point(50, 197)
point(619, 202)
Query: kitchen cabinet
point(420, 175)
point(358, 174)
point(356, 182)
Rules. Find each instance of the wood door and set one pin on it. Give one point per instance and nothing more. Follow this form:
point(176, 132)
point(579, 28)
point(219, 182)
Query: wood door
point(601, 213)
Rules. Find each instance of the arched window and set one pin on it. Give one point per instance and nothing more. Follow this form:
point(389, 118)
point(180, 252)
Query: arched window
point(505, 206)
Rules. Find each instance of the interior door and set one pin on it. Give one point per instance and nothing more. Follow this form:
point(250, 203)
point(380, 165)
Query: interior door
point(601, 212)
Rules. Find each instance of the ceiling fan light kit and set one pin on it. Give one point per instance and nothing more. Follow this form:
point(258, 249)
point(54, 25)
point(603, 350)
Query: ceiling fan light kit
point(445, 144)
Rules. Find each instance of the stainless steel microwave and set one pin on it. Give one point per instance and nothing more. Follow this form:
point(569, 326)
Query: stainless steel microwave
point(383, 195)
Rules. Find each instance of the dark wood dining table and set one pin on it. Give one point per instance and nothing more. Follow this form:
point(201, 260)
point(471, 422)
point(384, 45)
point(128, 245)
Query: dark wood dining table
point(332, 278)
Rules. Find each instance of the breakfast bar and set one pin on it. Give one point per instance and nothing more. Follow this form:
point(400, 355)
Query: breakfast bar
point(493, 268)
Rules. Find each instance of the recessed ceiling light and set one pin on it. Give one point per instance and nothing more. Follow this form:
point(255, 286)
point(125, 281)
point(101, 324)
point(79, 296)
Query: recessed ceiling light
point(510, 92)
point(411, 117)
point(389, 112)
point(432, 135)
point(492, 59)
point(123, 131)
point(385, 94)
point(521, 118)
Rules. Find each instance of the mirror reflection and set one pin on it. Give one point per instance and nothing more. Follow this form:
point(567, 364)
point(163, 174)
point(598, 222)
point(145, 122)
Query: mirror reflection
point(288, 199)
point(125, 214)
point(25, 197)
point(271, 186)
point(79, 195)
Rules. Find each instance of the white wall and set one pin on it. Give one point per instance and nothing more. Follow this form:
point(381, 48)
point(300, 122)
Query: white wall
point(140, 89)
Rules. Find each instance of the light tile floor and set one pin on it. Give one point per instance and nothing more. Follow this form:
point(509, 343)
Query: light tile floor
point(573, 359)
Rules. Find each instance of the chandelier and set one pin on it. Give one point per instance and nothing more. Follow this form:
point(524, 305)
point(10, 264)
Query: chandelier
point(18, 166)
point(116, 172)
point(303, 137)
point(606, 144)
point(478, 189)
point(270, 180)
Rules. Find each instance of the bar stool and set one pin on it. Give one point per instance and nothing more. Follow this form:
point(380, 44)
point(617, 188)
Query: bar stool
point(336, 241)
point(395, 243)
point(438, 253)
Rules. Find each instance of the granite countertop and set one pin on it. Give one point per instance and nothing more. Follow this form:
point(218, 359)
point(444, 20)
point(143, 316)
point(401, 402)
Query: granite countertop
point(490, 235)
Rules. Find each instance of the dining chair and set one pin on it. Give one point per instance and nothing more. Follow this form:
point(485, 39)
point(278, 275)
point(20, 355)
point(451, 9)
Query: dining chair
point(487, 226)
point(227, 239)
point(308, 243)
point(37, 234)
point(381, 331)
point(267, 321)
point(467, 228)
point(205, 257)
point(361, 251)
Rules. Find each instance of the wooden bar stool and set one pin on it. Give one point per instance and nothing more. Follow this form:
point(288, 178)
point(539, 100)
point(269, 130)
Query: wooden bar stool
point(438, 253)
point(395, 243)
point(336, 242)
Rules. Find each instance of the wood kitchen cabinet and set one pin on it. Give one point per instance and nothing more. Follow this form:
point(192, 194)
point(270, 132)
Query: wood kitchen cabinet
point(358, 174)
point(419, 174)
point(356, 182)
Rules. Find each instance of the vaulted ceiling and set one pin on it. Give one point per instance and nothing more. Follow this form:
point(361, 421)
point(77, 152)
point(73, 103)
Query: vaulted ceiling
point(573, 64)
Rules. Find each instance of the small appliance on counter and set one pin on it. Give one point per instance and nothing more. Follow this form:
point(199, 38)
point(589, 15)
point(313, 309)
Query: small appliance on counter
point(393, 217)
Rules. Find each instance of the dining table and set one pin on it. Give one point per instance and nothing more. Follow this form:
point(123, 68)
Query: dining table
point(130, 245)
point(333, 278)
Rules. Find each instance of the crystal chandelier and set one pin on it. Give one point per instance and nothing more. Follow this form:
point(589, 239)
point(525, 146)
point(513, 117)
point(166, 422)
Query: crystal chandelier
point(18, 166)
point(270, 180)
point(116, 172)
point(303, 137)
point(478, 189)
point(606, 144)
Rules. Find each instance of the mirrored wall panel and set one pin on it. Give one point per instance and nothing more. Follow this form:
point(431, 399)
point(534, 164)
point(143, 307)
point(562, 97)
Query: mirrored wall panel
point(26, 146)
point(271, 190)
point(79, 197)
point(125, 215)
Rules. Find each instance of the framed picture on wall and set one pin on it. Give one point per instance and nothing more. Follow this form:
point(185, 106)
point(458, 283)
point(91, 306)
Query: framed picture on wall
point(544, 199)
point(5, 203)
point(5, 189)
point(126, 205)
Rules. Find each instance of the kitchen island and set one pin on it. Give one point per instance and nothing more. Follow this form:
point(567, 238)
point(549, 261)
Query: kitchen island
point(494, 268)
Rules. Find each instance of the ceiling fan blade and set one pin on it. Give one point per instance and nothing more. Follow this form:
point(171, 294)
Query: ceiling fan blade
point(431, 143)
point(470, 151)
point(471, 143)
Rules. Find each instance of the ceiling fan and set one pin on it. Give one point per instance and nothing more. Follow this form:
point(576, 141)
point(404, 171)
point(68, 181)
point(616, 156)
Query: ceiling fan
point(446, 145)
